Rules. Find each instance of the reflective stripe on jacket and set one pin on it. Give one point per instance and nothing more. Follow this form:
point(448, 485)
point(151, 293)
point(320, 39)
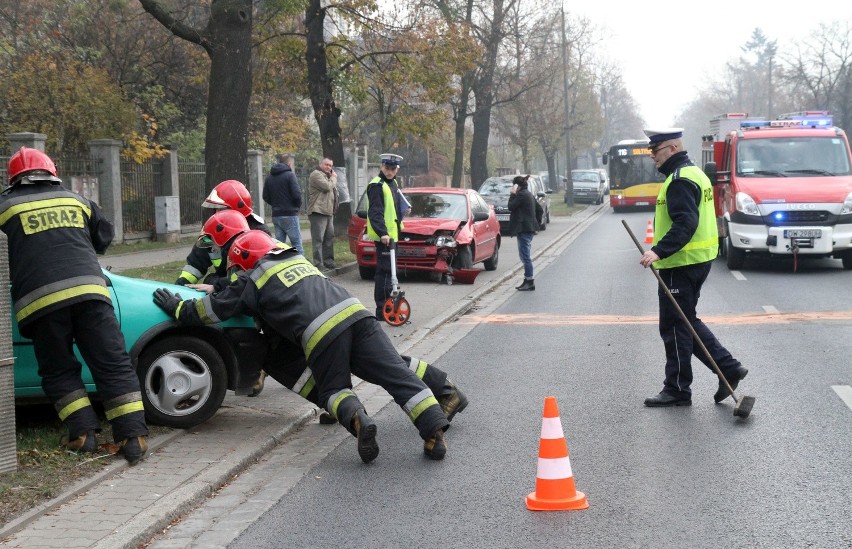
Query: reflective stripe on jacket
point(390, 216)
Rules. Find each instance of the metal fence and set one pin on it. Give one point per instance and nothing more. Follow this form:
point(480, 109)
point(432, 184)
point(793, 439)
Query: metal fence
point(140, 183)
point(78, 173)
point(192, 193)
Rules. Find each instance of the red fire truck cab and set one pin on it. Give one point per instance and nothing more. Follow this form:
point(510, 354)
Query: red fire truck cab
point(782, 187)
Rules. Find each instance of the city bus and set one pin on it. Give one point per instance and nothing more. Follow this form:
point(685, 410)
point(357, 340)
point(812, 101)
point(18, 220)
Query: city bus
point(634, 181)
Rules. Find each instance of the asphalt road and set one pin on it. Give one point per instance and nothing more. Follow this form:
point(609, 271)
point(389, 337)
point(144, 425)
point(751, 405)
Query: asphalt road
point(682, 477)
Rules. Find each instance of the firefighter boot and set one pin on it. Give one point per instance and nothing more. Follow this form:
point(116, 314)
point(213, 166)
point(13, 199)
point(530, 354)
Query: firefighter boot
point(258, 385)
point(87, 442)
point(133, 449)
point(435, 447)
point(365, 429)
point(453, 402)
point(327, 419)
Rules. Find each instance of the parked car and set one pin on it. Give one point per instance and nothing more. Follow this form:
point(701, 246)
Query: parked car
point(496, 190)
point(184, 371)
point(445, 228)
point(588, 186)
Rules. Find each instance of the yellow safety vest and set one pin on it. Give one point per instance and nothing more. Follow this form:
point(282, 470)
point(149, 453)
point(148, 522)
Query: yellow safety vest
point(704, 244)
point(389, 213)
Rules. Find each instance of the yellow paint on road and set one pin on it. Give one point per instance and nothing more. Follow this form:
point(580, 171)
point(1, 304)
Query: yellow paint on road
point(590, 320)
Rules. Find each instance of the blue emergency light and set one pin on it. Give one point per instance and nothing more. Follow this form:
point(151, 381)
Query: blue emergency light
point(754, 123)
point(779, 216)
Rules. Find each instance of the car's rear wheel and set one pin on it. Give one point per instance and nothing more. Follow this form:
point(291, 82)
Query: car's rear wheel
point(490, 264)
point(367, 273)
point(464, 258)
point(184, 381)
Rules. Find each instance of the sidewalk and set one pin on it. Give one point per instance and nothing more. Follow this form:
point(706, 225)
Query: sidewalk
point(125, 506)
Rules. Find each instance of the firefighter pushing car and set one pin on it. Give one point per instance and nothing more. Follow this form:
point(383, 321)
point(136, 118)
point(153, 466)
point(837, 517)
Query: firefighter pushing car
point(61, 298)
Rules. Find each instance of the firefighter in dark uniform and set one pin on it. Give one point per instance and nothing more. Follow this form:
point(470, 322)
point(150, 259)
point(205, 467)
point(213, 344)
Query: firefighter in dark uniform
point(230, 194)
point(61, 298)
point(285, 361)
point(337, 335)
point(233, 195)
point(685, 244)
point(385, 209)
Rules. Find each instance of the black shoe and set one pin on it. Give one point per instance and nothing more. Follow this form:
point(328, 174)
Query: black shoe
point(258, 385)
point(327, 419)
point(133, 448)
point(527, 286)
point(523, 283)
point(85, 443)
point(365, 430)
point(452, 403)
point(666, 399)
point(435, 447)
point(734, 377)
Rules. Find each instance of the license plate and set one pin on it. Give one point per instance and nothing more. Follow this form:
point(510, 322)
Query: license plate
point(643, 203)
point(503, 217)
point(411, 252)
point(803, 233)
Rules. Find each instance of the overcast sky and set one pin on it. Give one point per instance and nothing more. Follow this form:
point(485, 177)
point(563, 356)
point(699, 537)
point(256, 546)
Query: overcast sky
point(651, 39)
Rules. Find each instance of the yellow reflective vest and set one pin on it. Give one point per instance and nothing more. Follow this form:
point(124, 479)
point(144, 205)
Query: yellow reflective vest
point(389, 213)
point(704, 244)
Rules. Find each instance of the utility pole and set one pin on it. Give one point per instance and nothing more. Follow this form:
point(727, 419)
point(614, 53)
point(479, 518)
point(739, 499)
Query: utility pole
point(569, 164)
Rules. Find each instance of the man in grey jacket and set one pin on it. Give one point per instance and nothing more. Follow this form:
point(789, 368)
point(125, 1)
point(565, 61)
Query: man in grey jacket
point(282, 192)
point(322, 205)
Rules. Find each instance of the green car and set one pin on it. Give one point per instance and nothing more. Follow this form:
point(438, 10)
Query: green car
point(184, 371)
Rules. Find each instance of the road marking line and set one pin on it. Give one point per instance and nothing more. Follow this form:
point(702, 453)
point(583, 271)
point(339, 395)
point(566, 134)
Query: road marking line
point(539, 319)
point(738, 275)
point(769, 309)
point(845, 394)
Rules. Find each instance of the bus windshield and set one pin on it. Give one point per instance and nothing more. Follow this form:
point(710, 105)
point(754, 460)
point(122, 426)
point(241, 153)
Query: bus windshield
point(633, 178)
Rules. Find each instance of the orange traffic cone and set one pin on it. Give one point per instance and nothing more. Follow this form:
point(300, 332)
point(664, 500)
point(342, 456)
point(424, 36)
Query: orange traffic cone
point(649, 233)
point(554, 483)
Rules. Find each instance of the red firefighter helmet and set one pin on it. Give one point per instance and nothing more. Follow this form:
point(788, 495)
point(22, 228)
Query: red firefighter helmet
point(33, 164)
point(229, 194)
point(248, 248)
point(224, 225)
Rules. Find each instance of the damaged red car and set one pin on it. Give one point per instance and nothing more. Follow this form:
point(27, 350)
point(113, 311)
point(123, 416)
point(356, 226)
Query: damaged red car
point(447, 229)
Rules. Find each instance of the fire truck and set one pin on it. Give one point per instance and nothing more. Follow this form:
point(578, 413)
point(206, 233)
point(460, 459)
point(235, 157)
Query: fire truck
point(782, 187)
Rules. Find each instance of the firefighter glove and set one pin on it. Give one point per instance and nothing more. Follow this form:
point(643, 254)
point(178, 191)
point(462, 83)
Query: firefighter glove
point(167, 301)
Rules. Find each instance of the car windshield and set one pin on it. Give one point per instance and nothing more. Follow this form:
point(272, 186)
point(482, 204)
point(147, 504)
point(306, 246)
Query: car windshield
point(585, 176)
point(495, 187)
point(792, 157)
point(438, 206)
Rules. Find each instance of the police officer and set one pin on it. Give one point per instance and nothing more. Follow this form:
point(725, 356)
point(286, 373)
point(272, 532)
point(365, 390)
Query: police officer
point(685, 245)
point(385, 209)
point(337, 335)
point(61, 298)
point(285, 361)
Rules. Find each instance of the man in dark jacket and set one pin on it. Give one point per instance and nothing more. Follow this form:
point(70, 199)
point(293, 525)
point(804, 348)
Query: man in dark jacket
point(524, 213)
point(282, 192)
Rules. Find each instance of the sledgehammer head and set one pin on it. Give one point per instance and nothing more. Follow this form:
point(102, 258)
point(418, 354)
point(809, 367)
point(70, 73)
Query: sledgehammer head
point(744, 406)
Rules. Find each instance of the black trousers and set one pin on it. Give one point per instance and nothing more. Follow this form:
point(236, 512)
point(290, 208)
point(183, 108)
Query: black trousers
point(92, 325)
point(285, 363)
point(366, 351)
point(383, 285)
point(685, 284)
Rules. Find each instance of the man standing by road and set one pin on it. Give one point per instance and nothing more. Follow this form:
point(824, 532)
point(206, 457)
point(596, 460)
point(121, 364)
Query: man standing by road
point(282, 192)
point(61, 299)
point(385, 209)
point(322, 205)
point(685, 244)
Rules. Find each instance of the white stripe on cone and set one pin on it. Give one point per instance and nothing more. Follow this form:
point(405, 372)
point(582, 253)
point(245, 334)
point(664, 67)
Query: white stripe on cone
point(551, 428)
point(554, 468)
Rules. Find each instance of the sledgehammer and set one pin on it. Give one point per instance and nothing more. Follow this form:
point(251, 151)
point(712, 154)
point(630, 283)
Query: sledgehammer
point(745, 403)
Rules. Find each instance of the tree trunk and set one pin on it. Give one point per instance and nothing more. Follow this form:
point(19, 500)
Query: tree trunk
point(460, 119)
point(479, 141)
point(229, 91)
point(320, 86)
